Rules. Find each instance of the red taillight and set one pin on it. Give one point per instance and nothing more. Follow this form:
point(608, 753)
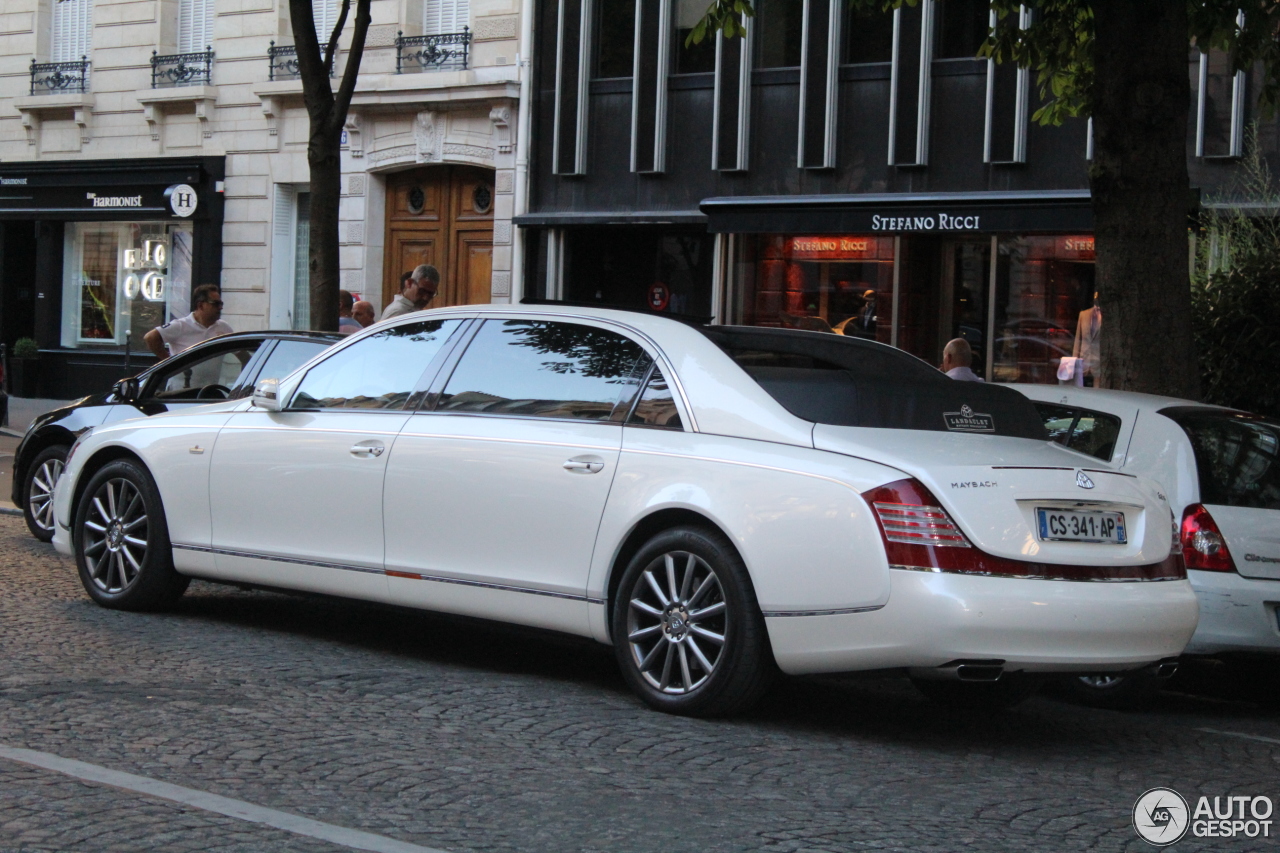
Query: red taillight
point(919, 535)
point(1203, 547)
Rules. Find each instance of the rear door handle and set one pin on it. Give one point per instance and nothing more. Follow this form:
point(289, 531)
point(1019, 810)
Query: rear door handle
point(365, 450)
point(584, 465)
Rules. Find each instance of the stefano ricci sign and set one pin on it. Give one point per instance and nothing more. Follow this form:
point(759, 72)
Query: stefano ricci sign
point(928, 222)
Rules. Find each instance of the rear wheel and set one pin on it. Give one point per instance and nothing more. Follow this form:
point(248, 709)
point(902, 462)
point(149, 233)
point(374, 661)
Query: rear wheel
point(121, 541)
point(687, 631)
point(37, 493)
point(1010, 690)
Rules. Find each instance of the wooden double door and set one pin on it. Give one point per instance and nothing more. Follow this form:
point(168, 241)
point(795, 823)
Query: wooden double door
point(443, 216)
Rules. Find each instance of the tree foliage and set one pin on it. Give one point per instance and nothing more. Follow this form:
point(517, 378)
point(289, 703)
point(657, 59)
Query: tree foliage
point(1234, 308)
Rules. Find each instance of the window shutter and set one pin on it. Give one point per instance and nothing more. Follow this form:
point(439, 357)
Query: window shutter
point(445, 16)
point(195, 25)
point(325, 13)
point(72, 29)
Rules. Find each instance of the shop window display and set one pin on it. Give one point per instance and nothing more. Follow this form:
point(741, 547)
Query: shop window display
point(1045, 310)
point(123, 279)
point(826, 283)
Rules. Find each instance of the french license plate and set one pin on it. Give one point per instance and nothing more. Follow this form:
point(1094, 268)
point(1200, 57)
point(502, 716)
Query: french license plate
point(1066, 525)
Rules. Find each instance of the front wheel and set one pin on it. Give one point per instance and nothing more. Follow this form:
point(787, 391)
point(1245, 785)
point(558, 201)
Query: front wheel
point(687, 630)
point(42, 476)
point(121, 541)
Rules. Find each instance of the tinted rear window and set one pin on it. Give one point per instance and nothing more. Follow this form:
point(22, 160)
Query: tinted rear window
point(832, 379)
point(1237, 456)
point(1090, 432)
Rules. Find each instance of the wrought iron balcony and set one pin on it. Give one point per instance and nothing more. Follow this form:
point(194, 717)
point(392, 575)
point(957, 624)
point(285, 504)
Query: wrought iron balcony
point(182, 69)
point(58, 77)
point(282, 63)
point(442, 52)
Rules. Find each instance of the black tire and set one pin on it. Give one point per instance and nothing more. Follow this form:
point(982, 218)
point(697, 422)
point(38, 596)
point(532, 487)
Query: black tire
point(663, 653)
point(981, 696)
point(37, 491)
point(1119, 692)
point(121, 541)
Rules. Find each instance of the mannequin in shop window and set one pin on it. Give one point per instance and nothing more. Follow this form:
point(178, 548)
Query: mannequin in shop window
point(1087, 345)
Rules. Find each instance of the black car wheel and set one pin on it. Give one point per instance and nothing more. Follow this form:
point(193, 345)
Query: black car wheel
point(37, 492)
point(687, 631)
point(121, 541)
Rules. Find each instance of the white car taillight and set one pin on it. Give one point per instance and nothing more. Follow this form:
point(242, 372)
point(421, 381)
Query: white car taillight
point(918, 524)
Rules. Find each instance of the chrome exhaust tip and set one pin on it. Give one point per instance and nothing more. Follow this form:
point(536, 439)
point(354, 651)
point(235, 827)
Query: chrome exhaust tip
point(963, 670)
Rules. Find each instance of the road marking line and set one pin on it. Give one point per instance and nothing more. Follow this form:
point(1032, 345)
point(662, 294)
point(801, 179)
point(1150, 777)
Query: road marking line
point(238, 809)
point(1241, 734)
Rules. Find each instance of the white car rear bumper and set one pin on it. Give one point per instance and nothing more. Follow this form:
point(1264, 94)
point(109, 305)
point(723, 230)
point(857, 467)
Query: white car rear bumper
point(932, 619)
point(1237, 614)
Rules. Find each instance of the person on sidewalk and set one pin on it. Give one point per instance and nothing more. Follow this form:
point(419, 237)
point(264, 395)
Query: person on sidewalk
point(416, 292)
point(362, 313)
point(204, 322)
point(956, 358)
point(346, 323)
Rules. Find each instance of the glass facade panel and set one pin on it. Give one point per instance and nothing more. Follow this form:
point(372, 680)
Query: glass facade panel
point(827, 282)
point(122, 279)
point(616, 38)
point(1044, 308)
point(693, 58)
point(868, 35)
point(780, 24)
point(961, 28)
point(655, 268)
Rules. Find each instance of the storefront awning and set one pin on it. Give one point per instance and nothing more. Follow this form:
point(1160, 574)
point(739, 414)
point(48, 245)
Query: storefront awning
point(902, 213)
point(570, 218)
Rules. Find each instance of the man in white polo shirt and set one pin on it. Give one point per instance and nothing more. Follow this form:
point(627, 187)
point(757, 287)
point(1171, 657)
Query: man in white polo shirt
point(201, 324)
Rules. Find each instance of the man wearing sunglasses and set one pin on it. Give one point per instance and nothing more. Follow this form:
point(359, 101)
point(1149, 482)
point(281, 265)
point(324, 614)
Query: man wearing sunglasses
point(204, 322)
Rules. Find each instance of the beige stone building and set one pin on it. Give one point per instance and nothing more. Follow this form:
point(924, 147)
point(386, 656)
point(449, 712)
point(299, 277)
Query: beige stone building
point(148, 146)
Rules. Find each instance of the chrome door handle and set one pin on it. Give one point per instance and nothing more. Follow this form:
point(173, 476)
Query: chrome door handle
point(364, 451)
point(584, 465)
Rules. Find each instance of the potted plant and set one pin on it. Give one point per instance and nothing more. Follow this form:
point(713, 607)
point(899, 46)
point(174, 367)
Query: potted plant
point(24, 368)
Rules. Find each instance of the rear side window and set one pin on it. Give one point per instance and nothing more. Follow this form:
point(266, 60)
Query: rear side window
point(377, 372)
point(543, 369)
point(1237, 457)
point(1090, 432)
point(657, 405)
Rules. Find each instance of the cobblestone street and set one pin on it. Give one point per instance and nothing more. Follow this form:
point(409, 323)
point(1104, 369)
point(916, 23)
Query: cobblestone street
point(459, 735)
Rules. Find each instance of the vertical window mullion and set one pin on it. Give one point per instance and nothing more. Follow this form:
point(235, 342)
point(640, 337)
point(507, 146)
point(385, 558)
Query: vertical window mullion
point(573, 55)
point(731, 127)
point(654, 23)
point(819, 84)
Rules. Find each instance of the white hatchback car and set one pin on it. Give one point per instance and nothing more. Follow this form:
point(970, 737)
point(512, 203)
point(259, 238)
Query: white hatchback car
point(1221, 471)
point(709, 500)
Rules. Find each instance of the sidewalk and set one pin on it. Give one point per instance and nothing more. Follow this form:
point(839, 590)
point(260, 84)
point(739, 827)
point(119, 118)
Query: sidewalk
point(24, 410)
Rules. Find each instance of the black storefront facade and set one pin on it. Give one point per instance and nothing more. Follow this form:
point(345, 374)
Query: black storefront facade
point(95, 254)
point(859, 174)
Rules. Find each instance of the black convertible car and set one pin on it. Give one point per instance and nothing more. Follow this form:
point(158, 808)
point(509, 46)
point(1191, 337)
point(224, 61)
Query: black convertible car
point(219, 369)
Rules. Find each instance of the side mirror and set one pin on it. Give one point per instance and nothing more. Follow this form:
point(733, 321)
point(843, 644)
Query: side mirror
point(126, 390)
point(266, 394)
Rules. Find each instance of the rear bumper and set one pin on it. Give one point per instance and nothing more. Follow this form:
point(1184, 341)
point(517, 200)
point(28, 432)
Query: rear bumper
point(1237, 614)
point(932, 619)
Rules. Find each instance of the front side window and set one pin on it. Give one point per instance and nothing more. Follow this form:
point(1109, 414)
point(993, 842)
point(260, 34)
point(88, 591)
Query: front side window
point(209, 378)
point(377, 372)
point(1237, 458)
point(542, 369)
point(288, 356)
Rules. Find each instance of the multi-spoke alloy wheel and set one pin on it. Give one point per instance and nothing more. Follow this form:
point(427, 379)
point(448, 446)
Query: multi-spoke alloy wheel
point(122, 540)
point(687, 630)
point(42, 477)
point(677, 623)
point(115, 535)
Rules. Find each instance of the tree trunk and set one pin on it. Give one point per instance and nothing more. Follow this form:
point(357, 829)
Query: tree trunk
point(1141, 196)
point(324, 158)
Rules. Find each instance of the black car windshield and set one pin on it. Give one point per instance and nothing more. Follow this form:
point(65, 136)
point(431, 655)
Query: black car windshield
point(833, 379)
point(1237, 456)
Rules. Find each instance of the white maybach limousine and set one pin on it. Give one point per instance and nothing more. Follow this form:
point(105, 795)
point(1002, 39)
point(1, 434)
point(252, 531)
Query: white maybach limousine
point(716, 502)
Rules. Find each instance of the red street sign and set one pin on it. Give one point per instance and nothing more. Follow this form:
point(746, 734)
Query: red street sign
point(659, 296)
